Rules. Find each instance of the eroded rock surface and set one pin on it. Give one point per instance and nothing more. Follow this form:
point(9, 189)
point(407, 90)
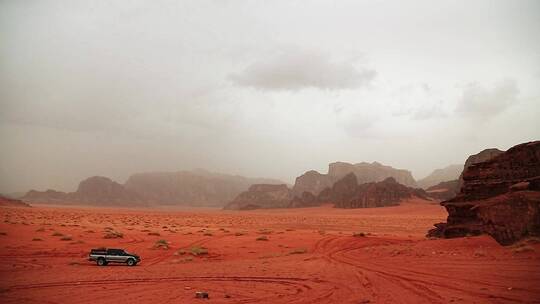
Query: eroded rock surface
point(262, 196)
point(500, 197)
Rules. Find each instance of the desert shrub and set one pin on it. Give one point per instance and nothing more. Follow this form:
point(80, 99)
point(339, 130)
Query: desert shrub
point(298, 251)
point(193, 250)
point(113, 235)
point(265, 231)
point(359, 234)
point(207, 233)
point(40, 229)
point(240, 233)
point(154, 233)
point(66, 238)
point(198, 250)
point(3, 233)
point(161, 244)
point(262, 238)
point(36, 239)
point(56, 233)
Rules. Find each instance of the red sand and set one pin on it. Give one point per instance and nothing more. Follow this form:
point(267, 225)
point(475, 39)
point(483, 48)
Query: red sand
point(394, 264)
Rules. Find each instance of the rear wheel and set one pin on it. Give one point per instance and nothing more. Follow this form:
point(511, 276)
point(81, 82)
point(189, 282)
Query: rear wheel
point(101, 262)
point(131, 262)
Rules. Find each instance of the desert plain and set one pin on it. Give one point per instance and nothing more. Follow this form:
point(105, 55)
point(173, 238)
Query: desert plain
point(305, 255)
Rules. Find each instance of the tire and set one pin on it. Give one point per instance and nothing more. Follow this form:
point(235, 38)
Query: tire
point(101, 262)
point(131, 262)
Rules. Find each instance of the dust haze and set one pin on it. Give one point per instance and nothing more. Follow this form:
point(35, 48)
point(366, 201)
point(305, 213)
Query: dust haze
point(260, 88)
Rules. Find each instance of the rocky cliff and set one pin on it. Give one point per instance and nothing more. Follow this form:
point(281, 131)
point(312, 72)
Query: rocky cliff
point(96, 190)
point(191, 188)
point(482, 156)
point(500, 197)
point(315, 182)
point(444, 190)
point(438, 176)
point(348, 193)
point(262, 196)
point(187, 188)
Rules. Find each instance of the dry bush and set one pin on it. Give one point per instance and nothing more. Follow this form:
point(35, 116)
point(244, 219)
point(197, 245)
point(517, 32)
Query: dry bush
point(56, 233)
point(298, 251)
point(161, 244)
point(37, 239)
point(262, 238)
point(113, 235)
point(66, 238)
point(359, 234)
point(154, 233)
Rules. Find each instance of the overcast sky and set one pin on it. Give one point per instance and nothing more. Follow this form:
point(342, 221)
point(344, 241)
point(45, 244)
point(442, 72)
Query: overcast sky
point(260, 88)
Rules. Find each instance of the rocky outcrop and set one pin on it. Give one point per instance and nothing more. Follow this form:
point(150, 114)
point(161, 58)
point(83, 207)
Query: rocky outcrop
point(438, 176)
point(10, 202)
point(186, 188)
point(262, 196)
point(315, 182)
point(348, 193)
point(99, 190)
point(191, 188)
point(482, 156)
point(96, 190)
point(312, 182)
point(499, 197)
point(444, 191)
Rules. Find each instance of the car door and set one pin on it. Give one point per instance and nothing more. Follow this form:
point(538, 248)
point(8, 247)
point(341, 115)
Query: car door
point(113, 255)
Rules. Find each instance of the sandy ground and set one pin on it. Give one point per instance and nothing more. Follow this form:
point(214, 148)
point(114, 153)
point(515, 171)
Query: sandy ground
point(310, 256)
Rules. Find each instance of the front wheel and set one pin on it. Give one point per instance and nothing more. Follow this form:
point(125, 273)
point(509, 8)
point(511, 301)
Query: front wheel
point(131, 262)
point(101, 262)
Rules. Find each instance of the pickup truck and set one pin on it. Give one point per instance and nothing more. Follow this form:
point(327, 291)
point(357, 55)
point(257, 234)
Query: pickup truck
point(104, 256)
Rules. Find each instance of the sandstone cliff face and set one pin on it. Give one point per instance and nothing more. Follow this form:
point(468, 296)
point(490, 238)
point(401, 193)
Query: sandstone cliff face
point(438, 176)
point(482, 156)
point(190, 188)
point(348, 193)
point(101, 190)
point(315, 182)
point(444, 190)
point(96, 190)
point(500, 197)
point(262, 196)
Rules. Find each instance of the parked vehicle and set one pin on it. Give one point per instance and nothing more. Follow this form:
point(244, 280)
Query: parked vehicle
point(104, 256)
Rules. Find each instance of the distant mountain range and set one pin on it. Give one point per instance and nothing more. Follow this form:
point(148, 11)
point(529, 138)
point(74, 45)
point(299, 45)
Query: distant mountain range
point(182, 188)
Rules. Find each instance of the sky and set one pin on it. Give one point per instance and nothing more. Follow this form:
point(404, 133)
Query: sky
point(260, 88)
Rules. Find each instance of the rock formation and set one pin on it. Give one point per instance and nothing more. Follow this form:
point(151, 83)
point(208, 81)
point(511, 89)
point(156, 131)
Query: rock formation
point(499, 197)
point(99, 190)
point(262, 196)
point(314, 182)
point(481, 156)
point(438, 176)
point(191, 188)
point(96, 190)
point(348, 193)
point(444, 190)
point(10, 202)
point(187, 188)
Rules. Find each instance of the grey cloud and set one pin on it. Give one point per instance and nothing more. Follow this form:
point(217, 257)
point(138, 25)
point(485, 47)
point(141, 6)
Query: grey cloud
point(296, 70)
point(479, 101)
